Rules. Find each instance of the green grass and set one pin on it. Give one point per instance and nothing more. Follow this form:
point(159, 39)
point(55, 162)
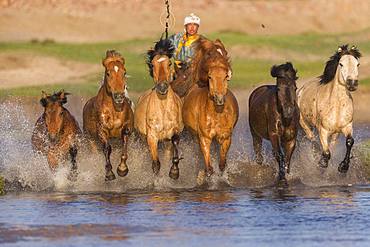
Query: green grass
point(247, 72)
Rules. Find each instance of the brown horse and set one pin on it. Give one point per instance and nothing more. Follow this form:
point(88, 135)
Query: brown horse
point(158, 111)
point(109, 114)
point(274, 115)
point(56, 131)
point(183, 80)
point(210, 109)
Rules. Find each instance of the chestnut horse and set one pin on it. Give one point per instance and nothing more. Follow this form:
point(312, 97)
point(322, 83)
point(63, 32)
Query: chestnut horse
point(158, 111)
point(109, 114)
point(274, 116)
point(327, 105)
point(210, 109)
point(56, 132)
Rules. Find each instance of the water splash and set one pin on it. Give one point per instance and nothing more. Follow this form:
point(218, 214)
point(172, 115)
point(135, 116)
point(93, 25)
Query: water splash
point(23, 169)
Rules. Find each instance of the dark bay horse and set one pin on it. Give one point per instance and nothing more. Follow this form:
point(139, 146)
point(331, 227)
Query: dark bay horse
point(109, 114)
point(56, 131)
point(274, 116)
point(210, 109)
point(158, 112)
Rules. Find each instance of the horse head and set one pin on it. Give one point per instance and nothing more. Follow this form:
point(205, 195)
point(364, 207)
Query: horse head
point(212, 67)
point(343, 65)
point(115, 80)
point(159, 63)
point(54, 113)
point(286, 77)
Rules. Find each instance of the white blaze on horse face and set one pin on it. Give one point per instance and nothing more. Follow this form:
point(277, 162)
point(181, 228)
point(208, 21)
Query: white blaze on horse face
point(161, 59)
point(348, 66)
point(220, 51)
point(116, 68)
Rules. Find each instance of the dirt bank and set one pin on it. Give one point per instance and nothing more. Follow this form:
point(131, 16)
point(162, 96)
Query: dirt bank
point(96, 20)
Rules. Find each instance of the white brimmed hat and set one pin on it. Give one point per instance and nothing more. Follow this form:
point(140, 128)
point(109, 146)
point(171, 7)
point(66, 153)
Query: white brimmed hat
point(191, 19)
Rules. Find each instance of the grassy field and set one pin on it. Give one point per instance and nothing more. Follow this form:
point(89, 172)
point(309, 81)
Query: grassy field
point(248, 72)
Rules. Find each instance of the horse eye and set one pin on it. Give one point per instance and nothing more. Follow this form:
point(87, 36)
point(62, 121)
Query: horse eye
point(61, 113)
point(108, 74)
point(358, 65)
point(341, 65)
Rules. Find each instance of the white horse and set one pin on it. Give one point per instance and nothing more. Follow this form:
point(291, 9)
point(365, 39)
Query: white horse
point(326, 103)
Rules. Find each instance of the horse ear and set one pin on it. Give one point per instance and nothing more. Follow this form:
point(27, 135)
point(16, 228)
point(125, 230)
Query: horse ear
point(274, 71)
point(229, 74)
point(44, 100)
point(63, 97)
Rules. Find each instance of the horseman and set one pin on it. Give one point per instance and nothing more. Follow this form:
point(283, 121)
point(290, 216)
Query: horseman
point(183, 41)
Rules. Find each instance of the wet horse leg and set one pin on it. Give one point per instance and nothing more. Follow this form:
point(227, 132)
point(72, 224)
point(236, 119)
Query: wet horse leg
point(52, 160)
point(107, 149)
point(205, 146)
point(289, 147)
point(344, 165)
point(73, 172)
point(279, 156)
point(153, 146)
point(257, 146)
point(324, 139)
point(174, 171)
point(122, 168)
point(224, 148)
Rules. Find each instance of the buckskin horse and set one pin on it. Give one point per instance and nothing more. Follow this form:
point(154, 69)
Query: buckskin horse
point(327, 105)
point(274, 116)
point(210, 109)
point(56, 132)
point(109, 114)
point(158, 112)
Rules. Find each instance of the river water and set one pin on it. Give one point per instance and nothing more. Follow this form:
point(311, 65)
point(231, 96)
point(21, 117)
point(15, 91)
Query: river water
point(244, 206)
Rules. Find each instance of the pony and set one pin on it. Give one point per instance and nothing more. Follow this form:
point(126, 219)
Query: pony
point(158, 112)
point(274, 116)
point(210, 109)
point(109, 114)
point(56, 132)
point(326, 103)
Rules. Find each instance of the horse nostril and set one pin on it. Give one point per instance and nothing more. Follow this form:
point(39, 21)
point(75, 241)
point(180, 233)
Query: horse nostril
point(162, 88)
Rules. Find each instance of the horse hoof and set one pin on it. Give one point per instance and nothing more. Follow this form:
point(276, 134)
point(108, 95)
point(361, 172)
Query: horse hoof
point(209, 172)
point(72, 176)
point(323, 163)
point(110, 176)
point(122, 171)
point(174, 172)
point(156, 166)
point(343, 167)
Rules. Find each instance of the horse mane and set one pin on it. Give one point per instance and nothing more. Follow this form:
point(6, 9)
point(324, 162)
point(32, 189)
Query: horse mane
point(206, 49)
point(55, 97)
point(113, 56)
point(332, 64)
point(161, 47)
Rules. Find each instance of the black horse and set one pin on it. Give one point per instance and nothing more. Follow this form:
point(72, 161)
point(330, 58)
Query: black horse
point(274, 115)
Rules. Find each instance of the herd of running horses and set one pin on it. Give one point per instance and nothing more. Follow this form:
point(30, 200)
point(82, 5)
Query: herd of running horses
point(198, 98)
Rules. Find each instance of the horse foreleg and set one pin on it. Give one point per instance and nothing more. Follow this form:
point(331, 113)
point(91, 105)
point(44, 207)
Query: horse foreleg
point(224, 148)
point(52, 160)
point(107, 149)
point(257, 146)
point(306, 128)
point(122, 168)
point(344, 165)
point(289, 147)
point(153, 147)
point(73, 172)
point(205, 146)
point(279, 156)
point(324, 139)
point(174, 171)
